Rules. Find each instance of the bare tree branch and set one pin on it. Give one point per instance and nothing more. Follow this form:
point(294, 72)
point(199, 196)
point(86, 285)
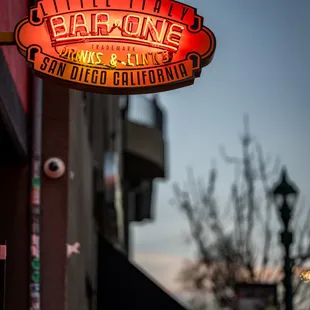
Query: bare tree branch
point(249, 250)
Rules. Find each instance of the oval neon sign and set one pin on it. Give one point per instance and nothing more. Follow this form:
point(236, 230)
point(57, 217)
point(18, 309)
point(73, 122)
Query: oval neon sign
point(116, 46)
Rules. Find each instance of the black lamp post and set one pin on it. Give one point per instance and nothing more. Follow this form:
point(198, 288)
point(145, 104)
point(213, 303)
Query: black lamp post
point(285, 195)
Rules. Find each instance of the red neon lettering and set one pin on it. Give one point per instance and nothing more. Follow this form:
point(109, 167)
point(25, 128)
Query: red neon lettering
point(78, 25)
point(151, 29)
point(58, 24)
point(174, 36)
point(100, 24)
point(132, 25)
point(152, 32)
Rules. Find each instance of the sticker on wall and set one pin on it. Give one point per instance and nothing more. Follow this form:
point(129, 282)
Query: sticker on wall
point(2, 252)
point(35, 195)
point(73, 249)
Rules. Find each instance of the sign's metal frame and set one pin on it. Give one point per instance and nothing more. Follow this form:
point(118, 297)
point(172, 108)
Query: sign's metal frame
point(7, 38)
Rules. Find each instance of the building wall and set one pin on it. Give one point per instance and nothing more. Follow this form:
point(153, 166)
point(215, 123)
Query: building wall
point(54, 197)
point(10, 13)
point(92, 122)
point(14, 231)
point(106, 134)
point(81, 226)
point(14, 88)
point(14, 168)
point(76, 128)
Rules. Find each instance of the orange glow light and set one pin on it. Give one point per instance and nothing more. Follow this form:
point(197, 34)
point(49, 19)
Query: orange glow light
point(116, 46)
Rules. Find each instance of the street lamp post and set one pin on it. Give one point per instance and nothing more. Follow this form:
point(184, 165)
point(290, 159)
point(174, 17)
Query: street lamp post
point(285, 195)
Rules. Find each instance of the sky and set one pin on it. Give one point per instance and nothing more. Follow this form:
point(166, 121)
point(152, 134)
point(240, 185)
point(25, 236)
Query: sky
point(261, 67)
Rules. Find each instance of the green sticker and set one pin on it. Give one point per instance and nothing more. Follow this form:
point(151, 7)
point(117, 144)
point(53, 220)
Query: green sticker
point(36, 182)
point(36, 264)
point(36, 276)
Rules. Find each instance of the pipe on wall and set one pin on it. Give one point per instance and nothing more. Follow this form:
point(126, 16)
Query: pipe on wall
point(35, 198)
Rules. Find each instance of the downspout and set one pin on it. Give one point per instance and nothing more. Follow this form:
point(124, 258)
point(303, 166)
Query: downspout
point(125, 183)
point(115, 129)
point(35, 199)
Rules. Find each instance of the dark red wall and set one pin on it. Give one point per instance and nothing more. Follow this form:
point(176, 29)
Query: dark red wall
point(54, 198)
point(11, 11)
point(14, 229)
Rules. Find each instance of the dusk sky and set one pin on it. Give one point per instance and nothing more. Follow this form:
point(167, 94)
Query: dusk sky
point(261, 67)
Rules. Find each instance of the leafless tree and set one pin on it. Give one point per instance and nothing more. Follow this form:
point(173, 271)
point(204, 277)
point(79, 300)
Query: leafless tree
point(240, 243)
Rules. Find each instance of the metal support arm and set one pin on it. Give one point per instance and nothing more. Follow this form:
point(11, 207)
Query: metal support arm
point(7, 38)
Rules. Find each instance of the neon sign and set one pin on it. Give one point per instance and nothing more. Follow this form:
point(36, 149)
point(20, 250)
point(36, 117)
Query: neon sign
point(116, 46)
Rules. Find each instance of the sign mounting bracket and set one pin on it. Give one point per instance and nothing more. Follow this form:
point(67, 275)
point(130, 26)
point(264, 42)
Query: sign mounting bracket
point(7, 38)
